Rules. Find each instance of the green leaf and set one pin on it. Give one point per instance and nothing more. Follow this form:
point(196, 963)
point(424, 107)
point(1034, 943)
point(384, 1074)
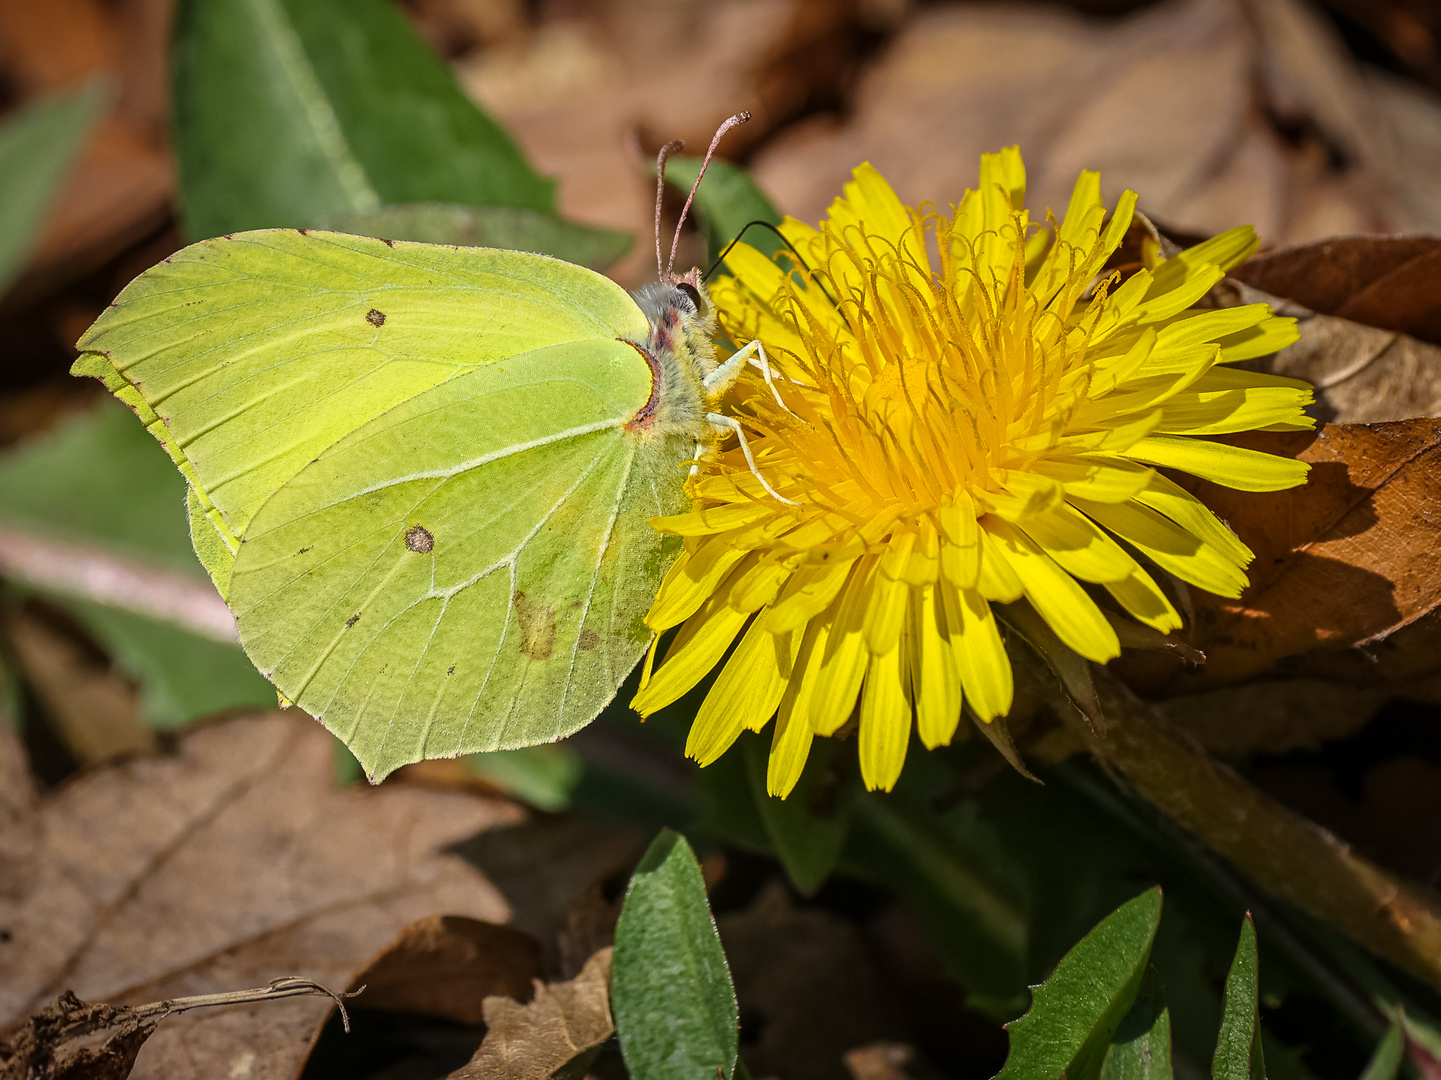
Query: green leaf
point(806, 835)
point(1075, 1012)
point(37, 144)
point(671, 993)
point(488, 226)
point(1141, 1047)
point(181, 675)
point(98, 478)
point(972, 908)
point(1238, 1047)
point(289, 111)
point(543, 776)
point(728, 201)
point(1386, 1060)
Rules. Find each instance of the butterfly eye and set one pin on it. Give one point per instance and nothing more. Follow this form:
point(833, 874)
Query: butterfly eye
point(691, 293)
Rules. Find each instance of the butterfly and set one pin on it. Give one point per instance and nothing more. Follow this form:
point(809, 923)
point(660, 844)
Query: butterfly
point(421, 476)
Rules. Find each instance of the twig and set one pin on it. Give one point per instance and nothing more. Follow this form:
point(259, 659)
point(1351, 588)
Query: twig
point(97, 1016)
point(93, 574)
point(288, 986)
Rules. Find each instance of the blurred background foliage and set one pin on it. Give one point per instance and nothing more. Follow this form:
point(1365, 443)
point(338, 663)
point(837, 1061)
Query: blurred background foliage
point(131, 127)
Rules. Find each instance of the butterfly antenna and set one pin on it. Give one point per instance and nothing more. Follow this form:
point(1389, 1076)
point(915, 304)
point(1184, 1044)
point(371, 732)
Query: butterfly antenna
point(730, 122)
point(665, 151)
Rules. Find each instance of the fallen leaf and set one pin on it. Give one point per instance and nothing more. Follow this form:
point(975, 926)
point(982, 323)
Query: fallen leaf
point(120, 188)
point(1405, 664)
point(1389, 282)
point(41, 1048)
point(557, 1035)
point(548, 868)
point(1346, 560)
point(879, 1061)
point(94, 709)
point(1219, 112)
point(807, 989)
point(1273, 716)
point(230, 863)
point(576, 91)
point(1362, 375)
point(34, 1053)
point(447, 965)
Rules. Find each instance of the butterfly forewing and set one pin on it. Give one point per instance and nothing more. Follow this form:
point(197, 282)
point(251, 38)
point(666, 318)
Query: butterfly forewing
point(259, 350)
point(469, 570)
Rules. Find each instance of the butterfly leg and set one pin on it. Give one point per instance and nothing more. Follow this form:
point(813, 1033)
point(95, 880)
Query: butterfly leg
point(730, 424)
point(721, 378)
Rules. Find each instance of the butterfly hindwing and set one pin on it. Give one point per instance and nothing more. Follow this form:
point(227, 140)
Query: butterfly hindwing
point(467, 571)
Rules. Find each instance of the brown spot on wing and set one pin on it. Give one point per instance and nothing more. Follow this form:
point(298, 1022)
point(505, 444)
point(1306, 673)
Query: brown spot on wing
point(419, 539)
point(375, 317)
point(352, 620)
point(537, 626)
point(589, 639)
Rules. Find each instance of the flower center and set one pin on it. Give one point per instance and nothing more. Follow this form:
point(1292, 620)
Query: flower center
point(934, 381)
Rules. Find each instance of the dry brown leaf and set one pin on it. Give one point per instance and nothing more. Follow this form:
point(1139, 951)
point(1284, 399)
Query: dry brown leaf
point(1362, 375)
point(1390, 282)
point(1219, 112)
point(575, 92)
point(95, 710)
point(557, 1035)
point(550, 866)
point(447, 965)
point(1273, 716)
point(804, 977)
point(34, 1052)
point(233, 862)
point(1347, 560)
point(71, 1039)
point(879, 1061)
point(119, 190)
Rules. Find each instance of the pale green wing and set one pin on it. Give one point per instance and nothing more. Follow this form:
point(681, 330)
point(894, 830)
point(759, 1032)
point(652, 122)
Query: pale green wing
point(468, 571)
point(247, 355)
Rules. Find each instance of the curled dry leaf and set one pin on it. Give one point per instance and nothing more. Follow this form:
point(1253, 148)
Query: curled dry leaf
point(50, 1045)
point(557, 1035)
point(1362, 375)
point(1273, 716)
point(1348, 560)
point(551, 869)
point(1358, 301)
point(1389, 282)
point(447, 965)
point(233, 862)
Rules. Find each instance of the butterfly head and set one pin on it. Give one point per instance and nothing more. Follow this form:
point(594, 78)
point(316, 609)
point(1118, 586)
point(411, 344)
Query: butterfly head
point(682, 318)
point(680, 345)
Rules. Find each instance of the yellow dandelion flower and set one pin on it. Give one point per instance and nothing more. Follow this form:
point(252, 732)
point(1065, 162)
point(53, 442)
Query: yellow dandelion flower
point(964, 412)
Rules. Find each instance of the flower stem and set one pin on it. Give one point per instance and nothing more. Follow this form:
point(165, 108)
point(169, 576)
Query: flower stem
point(1287, 855)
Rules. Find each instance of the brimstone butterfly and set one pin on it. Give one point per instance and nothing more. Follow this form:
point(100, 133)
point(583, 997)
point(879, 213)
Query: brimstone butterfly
point(422, 476)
